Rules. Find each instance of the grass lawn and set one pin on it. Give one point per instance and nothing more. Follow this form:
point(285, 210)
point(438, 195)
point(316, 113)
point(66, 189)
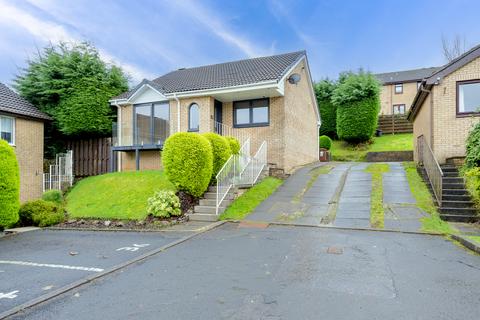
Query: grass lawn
point(118, 195)
point(248, 201)
point(377, 212)
point(422, 195)
point(342, 151)
point(475, 238)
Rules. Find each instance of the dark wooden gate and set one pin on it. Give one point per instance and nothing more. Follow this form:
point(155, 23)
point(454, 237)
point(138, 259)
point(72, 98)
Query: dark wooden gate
point(91, 157)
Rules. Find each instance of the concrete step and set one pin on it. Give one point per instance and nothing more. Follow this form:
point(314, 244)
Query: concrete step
point(458, 211)
point(213, 202)
point(213, 195)
point(453, 180)
point(207, 209)
point(459, 218)
point(457, 192)
point(454, 197)
point(450, 174)
point(449, 168)
point(202, 217)
point(457, 204)
point(453, 185)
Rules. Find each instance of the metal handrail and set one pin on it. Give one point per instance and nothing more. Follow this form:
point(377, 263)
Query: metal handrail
point(224, 178)
point(434, 172)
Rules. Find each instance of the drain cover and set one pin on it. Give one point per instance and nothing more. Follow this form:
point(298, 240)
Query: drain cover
point(252, 224)
point(335, 250)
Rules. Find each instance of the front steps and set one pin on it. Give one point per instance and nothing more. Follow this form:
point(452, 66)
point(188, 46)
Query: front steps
point(205, 210)
point(457, 205)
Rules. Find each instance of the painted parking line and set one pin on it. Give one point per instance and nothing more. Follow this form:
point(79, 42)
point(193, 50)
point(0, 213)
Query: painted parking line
point(47, 265)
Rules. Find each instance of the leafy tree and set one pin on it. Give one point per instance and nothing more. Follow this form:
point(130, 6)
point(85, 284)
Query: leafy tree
point(72, 84)
point(328, 111)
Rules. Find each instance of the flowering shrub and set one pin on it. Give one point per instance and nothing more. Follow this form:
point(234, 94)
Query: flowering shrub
point(164, 204)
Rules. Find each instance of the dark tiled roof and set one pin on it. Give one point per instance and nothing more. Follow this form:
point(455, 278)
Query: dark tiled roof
point(406, 76)
point(12, 103)
point(229, 74)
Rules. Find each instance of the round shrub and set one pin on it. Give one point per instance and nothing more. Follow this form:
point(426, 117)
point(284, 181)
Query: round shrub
point(234, 145)
point(164, 204)
point(54, 196)
point(9, 186)
point(472, 158)
point(188, 160)
point(40, 213)
point(358, 103)
point(325, 142)
point(328, 111)
point(221, 151)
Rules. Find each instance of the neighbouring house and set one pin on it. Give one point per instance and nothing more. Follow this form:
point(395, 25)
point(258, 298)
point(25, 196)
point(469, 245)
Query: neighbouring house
point(267, 99)
point(447, 105)
point(399, 89)
point(22, 125)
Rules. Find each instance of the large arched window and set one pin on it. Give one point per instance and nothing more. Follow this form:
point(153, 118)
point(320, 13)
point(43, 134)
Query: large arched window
point(193, 117)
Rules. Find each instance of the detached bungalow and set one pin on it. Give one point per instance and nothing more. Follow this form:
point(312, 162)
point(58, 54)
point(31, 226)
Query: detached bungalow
point(267, 99)
point(21, 125)
point(447, 105)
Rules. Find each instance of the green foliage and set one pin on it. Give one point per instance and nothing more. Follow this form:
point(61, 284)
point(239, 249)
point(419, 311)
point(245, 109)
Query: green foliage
point(357, 99)
point(377, 212)
point(328, 111)
point(325, 142)
point(9, 186)
point(221, 151)
point(164, 204)
point(472, 158)
point(40, 213)
point(472, 181)
point(54, 196)
point(234, 144)
point(188, 161)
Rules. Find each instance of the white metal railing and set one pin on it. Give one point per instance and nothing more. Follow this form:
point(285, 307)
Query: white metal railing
point(432, 168)
point(241, 135)
point(259, 162)
point(60, 175)
point(225, 180)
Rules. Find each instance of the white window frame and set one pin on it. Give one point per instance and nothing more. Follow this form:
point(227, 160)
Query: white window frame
point(13, 128)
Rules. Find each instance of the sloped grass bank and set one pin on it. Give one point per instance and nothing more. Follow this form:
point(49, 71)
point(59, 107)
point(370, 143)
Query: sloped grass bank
point(118, 195)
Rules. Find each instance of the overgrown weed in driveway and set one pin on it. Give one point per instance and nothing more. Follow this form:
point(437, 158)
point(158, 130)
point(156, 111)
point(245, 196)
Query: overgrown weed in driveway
point(422, 195)
point(377, 211)
point(314, 174)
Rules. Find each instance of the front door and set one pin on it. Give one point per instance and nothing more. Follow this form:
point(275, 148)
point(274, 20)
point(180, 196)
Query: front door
point(217, 116)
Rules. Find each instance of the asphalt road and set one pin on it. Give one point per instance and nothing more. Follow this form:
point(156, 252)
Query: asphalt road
point(281, 272)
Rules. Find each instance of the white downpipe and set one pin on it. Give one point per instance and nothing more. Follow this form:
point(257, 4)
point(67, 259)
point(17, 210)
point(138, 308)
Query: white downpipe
point(178, 111)
point(119, 136)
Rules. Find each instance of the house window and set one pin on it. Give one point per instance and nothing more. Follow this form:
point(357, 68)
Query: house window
point(251, 113)
point(151, 123)
point(7, 129)
point(399, 88)
point(398, 109)
point(468, 97)
point(193, 117)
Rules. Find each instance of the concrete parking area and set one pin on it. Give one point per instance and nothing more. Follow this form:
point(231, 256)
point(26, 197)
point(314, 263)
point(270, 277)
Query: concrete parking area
point(284, 272)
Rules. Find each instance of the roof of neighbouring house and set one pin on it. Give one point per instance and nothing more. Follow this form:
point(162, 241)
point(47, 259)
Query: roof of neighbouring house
point(406, 76)
point(222, 75)
point(11, 102)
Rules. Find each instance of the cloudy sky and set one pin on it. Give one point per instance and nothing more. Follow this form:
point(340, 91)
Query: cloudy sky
point(151, 37)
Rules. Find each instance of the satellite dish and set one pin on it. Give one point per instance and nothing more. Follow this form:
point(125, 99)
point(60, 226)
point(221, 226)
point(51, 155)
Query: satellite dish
point(294, 78)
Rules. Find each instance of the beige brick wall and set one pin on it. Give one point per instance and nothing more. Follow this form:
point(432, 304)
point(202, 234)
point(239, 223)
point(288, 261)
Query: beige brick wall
point(149, 160)
point(450, 131)
point(388, 97)
point(29, 150)
point(422, 124)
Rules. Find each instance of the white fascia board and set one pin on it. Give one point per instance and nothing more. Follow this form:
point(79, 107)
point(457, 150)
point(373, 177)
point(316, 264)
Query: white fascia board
point(312, 92)
point(142, 89)
point(292, 68)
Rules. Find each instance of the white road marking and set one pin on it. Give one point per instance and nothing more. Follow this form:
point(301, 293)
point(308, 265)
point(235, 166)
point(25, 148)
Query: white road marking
point(47, 265)
point(10, 295)
point(134, 248)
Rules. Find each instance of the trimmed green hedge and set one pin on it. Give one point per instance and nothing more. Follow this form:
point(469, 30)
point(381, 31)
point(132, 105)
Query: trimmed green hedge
point(472, 158)
point(325, 142)
point(357, 99)
point(328, 111)
point(9, 186)
point(221, 151)
point(188, 161)
point(40, 213)
point(234, 144)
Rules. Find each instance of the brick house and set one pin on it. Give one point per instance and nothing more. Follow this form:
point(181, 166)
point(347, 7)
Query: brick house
point(267, 99)
point(447, 105)
point(399, 89)
point(22, 125)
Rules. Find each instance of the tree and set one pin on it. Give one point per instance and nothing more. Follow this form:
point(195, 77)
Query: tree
point(71, 83)
point(328, 111)
point(454, 49)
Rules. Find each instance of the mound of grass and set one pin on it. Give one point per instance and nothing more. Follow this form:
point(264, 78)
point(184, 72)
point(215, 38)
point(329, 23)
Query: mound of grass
point(247, 202)
point(343, 151)
point(377, 212)
point(118, 195)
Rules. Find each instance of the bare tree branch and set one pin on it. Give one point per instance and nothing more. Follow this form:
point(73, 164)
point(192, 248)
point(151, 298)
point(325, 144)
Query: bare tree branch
point(453, 49)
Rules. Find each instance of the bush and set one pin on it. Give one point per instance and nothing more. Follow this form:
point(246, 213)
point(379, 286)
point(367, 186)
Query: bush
point(325, 142)
point(358, 103)
point(164, 204)
point(234, 145)
point(472, 158)
point(40, 213)
point(221, 151)
point(188, 159)
point(54, 196)
point(9, 186)
point(472, 179)
point(328, 111)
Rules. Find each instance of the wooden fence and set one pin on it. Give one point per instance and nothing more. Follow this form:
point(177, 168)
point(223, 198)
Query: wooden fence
point(91, 157)
point(394, 124)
